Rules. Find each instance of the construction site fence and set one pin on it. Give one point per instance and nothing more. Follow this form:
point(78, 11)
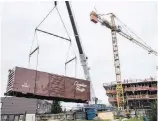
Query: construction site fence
point(133, 113)
point(62, 116)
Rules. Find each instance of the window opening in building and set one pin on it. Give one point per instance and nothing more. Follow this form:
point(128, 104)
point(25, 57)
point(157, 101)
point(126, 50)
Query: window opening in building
point(4, 117)
point(0, 105)
point(38, 105)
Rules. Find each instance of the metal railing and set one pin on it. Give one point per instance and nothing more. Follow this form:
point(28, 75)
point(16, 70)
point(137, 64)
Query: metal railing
point(135, 97)
point(131, 81)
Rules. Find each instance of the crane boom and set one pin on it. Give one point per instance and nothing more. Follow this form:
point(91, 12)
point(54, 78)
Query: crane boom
point(147, 48)
point(127, 36)
point(83, 57)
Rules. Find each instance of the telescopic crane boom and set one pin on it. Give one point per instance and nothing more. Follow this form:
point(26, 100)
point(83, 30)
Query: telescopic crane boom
point(117, 29)
point(83, 57)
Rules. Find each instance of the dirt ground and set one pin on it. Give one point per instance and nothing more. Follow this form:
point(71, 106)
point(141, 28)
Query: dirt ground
point(105, 115)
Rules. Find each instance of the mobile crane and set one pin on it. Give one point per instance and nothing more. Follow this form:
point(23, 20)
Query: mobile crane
point(94, 17)
point(83, 57)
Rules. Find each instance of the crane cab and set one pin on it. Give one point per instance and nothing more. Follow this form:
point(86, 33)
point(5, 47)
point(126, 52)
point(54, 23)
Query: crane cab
point(93, 17)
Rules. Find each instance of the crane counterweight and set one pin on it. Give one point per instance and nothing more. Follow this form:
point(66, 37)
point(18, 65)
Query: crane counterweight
point(94, 17)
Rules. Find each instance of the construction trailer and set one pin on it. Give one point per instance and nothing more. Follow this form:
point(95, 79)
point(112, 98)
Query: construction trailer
point(139, 94)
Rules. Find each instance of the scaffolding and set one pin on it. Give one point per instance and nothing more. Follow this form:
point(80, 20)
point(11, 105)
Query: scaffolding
point(137, 92)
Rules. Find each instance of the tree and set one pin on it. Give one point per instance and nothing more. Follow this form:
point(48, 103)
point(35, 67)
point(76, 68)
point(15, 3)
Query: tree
point(56, 107)
point(152, 114)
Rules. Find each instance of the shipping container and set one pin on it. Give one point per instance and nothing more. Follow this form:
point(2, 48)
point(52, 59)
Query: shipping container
point(23, 82)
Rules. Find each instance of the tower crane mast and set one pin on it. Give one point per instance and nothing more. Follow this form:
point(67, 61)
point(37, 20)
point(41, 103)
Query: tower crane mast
point(117, 29)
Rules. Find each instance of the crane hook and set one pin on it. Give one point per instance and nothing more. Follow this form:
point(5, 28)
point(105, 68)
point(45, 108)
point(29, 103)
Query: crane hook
point(55, 3)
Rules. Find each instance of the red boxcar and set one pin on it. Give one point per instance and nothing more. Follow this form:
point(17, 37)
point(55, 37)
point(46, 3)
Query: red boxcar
point(23, 82)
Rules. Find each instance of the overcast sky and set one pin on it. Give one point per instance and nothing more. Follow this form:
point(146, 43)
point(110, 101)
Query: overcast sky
point(19, 19)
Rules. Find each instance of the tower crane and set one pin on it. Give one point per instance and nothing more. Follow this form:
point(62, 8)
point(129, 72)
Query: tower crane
point(118, 29)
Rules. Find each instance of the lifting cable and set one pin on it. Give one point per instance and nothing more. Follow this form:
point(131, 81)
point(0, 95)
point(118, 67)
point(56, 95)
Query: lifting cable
point(68, 61)
point(46, 16)
point(31, 52)
point(36, 64)
point(48, 32)
point(63, 23)
point(36, 36)
point(37, 51)
point(75, 58)
point(37, 48)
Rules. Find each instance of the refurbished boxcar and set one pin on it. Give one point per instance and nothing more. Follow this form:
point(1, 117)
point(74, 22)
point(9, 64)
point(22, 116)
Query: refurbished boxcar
point(23, 82)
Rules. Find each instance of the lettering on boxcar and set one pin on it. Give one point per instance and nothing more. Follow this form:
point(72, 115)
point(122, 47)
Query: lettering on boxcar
point(25, 85)
point(80, 87)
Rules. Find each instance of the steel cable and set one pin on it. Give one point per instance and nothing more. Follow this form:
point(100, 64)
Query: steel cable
point(45, 17)
point(31, 48)
point(125, 27)
point(63, 23)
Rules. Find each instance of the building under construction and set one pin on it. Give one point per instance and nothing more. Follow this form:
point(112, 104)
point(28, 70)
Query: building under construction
point(137, 93)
